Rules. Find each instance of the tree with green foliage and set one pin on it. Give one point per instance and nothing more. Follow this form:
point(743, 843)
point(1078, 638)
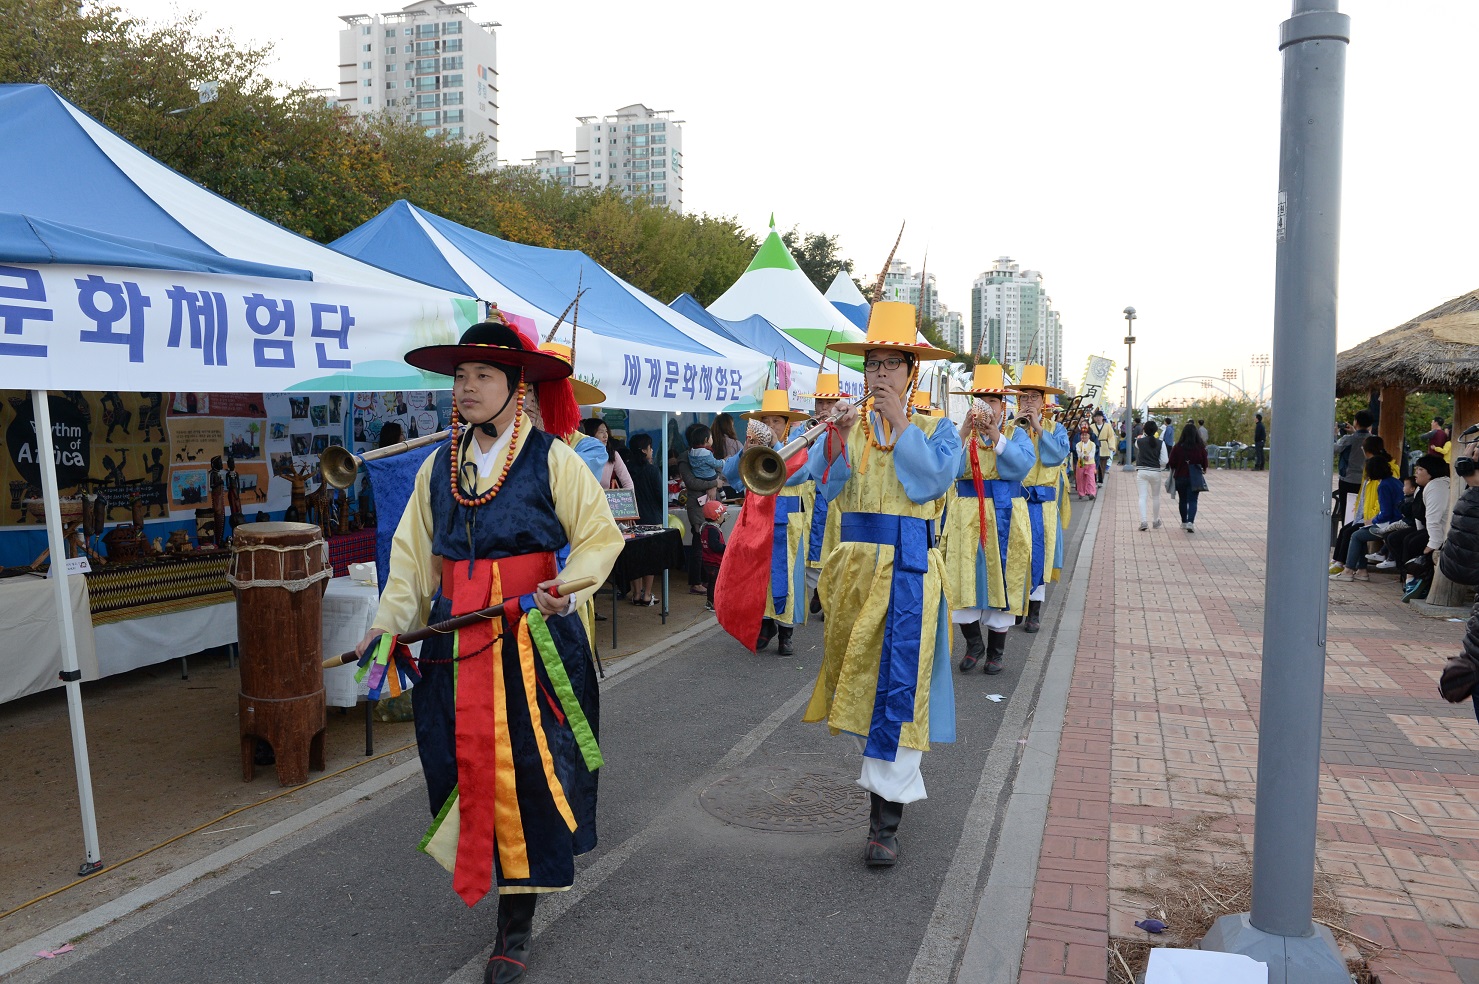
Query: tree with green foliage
point(1228, 418)
point(818, 254)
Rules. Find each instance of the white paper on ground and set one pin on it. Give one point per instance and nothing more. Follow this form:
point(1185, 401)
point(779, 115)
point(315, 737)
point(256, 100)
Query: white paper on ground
point(1172, 966)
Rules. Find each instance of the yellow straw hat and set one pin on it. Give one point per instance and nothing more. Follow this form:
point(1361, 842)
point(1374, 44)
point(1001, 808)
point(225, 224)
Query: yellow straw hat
point(891, 325)
point(585, 394)
point(829, 387)
point(921, 402)
point(776, 403)
point(1035, 377)
point(988, 380)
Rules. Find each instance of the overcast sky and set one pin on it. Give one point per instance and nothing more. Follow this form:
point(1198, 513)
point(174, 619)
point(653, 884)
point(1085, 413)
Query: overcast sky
point(1128, 151)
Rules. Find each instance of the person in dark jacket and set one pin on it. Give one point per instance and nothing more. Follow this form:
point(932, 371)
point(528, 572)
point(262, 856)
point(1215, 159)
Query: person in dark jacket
point(1260, 438)
point(1189, 451)
point(647, 486)
point(1459, 559)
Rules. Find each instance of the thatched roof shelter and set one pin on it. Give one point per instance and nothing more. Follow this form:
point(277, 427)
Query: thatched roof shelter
point(1436, 352)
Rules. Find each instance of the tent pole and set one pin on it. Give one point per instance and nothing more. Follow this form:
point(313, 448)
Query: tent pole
point(70, 674)
point(665, 513)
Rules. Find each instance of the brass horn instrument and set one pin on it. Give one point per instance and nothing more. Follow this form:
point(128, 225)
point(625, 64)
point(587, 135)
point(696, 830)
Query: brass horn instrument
point(763, 470)
point(340, 465)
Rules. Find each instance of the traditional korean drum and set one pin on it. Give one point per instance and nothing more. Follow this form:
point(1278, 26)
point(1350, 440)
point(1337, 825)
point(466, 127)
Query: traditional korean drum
point(279, 572)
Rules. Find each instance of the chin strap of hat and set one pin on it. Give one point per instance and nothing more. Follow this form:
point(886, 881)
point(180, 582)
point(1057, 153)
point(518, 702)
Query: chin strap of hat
point(488, 426)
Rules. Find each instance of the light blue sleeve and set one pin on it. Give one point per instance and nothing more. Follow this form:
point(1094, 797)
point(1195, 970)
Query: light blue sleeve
point(593, 453)
point(1052, 447)
point(926, 466)
point(731, 469)
point(1015, 458)
point(837, 475)
point(732, 475)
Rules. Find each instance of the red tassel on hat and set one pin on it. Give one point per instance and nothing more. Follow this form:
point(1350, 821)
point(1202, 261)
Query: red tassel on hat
point(558, 407)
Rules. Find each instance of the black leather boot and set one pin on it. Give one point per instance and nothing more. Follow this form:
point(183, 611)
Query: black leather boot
point(1033, 621)
point(767, 633)
point(511, 947)
point(996, 650)
point(883, 833)
point(974, 647)
point(816, 603)
point(784, 647)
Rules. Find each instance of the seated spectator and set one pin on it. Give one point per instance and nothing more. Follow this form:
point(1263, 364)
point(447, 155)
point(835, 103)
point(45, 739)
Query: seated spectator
point(1366, 507)
point(1430, 516)
point(1387, 491)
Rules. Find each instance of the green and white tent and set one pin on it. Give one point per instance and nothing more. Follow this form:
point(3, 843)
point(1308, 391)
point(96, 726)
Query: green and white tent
point(774, 287)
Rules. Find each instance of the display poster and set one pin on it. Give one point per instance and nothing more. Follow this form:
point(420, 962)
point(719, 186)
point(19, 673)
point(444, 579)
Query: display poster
point(156, 449)
point(418, 412)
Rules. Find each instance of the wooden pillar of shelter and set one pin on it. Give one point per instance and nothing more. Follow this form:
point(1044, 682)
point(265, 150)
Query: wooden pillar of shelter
point(1445, 593)
point(1393, 419)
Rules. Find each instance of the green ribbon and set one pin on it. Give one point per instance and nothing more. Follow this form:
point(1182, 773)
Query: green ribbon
point(539, 633)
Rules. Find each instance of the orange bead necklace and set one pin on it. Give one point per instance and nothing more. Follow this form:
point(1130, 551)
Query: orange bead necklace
point(458, 433)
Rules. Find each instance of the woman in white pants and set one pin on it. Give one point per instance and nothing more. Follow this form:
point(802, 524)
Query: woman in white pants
point(1150, 472)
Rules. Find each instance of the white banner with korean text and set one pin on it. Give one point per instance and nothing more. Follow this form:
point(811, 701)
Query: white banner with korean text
point(114, 328)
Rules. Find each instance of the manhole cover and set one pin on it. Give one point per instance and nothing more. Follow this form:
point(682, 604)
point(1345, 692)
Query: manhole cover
point(787, 799)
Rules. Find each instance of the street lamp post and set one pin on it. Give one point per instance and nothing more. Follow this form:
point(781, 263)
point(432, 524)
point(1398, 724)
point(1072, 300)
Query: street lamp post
point(1279, 929)
point(1129, 390)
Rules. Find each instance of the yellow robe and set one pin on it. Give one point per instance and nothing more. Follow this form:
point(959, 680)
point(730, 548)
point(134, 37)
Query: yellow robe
point(798, 530)
point(1047, 475)
point(960, 544)
point(855, 589)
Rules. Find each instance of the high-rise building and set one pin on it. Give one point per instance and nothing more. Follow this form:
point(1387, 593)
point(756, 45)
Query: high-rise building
point(638, 150)
point(952, 330)
point(1011, 306)
point(554, 165)
point(429, 62)
point(901, 283)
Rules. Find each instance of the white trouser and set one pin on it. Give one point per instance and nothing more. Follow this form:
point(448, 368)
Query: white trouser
point(993, 619)
point(1039, 593)
point(1149, 480)
point(899, 781)
point(813, 578)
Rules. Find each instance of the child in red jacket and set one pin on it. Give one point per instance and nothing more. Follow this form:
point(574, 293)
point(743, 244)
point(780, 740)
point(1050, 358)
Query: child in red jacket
point(711, 546)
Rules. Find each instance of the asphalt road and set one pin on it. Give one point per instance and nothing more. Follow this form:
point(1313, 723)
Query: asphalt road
point(673, 892)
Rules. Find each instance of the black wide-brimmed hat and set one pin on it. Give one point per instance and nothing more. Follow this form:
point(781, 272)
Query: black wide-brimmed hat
point(495, 343)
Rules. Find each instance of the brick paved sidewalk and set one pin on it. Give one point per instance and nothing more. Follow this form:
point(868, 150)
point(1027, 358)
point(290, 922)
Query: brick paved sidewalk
point(1161, 731)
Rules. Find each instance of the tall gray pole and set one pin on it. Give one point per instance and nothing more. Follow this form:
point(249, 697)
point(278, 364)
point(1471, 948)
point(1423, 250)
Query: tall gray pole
point(1129, 391)
point(1279, 929)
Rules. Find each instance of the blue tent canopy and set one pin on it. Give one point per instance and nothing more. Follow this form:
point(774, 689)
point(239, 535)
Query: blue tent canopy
point(401, 239)
point(34, 115)
point(753, 333)
point(26, 239)
point(856, 313)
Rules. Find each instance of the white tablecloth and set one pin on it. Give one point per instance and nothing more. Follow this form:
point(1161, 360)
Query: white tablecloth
point(31, 639)
point(134, 642)
point(348, 610)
